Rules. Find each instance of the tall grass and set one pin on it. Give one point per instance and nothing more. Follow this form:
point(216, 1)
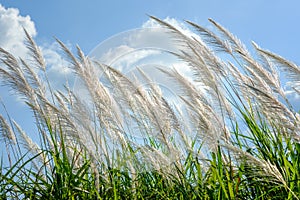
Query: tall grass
point(234, 136)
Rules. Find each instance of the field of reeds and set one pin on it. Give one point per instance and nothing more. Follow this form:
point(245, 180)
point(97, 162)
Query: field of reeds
point(233, 134)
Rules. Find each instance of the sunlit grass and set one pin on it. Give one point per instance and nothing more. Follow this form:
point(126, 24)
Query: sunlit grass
point(236, 139)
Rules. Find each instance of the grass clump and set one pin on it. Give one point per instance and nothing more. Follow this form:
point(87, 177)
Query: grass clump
point(234, 136)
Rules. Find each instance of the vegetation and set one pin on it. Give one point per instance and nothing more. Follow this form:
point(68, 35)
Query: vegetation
point(235, 134)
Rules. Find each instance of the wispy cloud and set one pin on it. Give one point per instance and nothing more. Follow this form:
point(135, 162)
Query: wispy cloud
point(148, 45)
point(151, 23)
point(55, 59)
point(147, 48)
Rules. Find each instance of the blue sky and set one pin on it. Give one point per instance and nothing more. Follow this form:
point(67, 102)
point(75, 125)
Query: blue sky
point(273, 25)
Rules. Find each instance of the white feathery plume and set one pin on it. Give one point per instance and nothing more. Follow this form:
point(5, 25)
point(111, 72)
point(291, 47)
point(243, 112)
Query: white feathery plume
point(6, 131)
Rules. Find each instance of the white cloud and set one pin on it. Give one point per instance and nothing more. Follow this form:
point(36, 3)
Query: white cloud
point(150, 35)
point(13, 40)
point(293, 98)
point(146, 48)
point(130, 41)
point(114, 53)
point(133, 58)
point(58, 68)
point(129, 47)
point(151, 23)
point(11, 30)
point(54, 59)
